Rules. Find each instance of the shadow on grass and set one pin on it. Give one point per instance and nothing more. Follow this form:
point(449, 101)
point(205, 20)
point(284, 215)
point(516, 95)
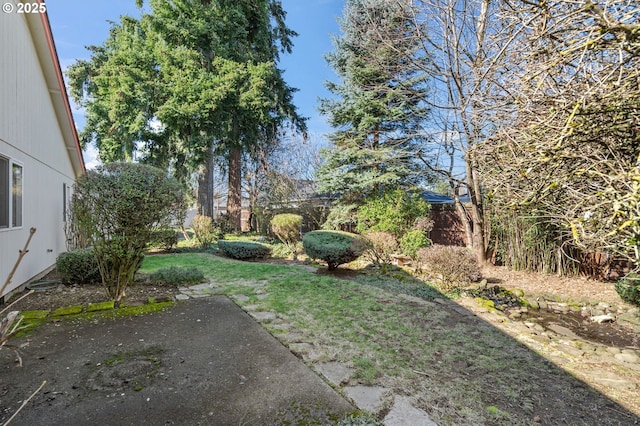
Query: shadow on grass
point(460, 368)
point(399, 333)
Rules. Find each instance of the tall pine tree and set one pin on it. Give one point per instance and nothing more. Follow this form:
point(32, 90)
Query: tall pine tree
point(190, 80)
point(378, 107)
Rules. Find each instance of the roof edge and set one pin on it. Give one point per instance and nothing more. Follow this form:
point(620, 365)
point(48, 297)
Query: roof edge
point(53, 53)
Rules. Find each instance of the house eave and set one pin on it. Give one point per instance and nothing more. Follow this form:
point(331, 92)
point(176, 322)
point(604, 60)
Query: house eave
point(42, 37)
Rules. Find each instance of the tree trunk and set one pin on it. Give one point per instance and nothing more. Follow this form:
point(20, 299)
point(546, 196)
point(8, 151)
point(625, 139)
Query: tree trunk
point(477, 210)
point(205, 188)
point(234, 195)
point(477, 213)
point(466, 221)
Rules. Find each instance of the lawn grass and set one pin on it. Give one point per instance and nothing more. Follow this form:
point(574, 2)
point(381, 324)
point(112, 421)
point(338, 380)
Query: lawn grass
point(458, 368)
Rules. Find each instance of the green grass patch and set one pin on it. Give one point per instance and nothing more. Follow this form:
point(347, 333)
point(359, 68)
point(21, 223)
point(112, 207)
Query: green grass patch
point(216, 267)
point(467, 371)
point(177, 275)
point(116, 359)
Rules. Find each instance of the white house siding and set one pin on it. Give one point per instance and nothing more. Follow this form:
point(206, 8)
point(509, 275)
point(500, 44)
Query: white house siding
point(32, 134)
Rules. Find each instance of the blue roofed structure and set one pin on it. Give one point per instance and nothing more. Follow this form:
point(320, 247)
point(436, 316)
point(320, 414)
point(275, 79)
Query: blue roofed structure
point(435, 198)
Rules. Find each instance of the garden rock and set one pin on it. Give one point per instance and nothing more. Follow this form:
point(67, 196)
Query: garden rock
point(601, 319)
point(263, 316)
point(336, 372)
point(628, 356)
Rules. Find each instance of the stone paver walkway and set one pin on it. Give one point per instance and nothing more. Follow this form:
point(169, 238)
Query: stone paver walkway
point(367, 398)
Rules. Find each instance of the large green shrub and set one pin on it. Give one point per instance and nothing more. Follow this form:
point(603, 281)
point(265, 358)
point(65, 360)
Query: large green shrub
point(393, 211)
point(286, 227)
point(119, 206)
point(450, 267)
point(78, 267)
point(244, 250)
point(334, 247)
point(628, 288)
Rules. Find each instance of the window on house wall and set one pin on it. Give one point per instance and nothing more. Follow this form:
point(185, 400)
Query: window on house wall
point(16, 195)
point(11, 187)
point(66, 201)
point(4, 192)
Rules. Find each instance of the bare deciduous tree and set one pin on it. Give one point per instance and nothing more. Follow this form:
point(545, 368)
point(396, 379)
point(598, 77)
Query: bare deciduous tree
point(466, 44)
point(282, 178)
point(573, 154)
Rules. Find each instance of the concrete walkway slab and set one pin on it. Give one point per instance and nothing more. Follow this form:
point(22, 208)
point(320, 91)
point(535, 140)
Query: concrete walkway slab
point(367, 398)
point(204, 361)
point(403, 414)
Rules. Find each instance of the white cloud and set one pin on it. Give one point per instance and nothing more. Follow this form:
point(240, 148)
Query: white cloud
point(90, 156)
point(156, 125)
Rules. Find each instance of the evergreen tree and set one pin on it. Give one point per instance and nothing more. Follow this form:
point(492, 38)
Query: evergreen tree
point(378, 106)
point(191, 80)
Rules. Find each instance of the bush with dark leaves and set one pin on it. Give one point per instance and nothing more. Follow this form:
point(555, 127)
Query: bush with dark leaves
point(628, 288)
point(78, 267)
point(244, 250)
point(334, 247)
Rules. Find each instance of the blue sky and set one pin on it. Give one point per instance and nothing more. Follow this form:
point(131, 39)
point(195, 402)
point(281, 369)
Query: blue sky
point(79, 23)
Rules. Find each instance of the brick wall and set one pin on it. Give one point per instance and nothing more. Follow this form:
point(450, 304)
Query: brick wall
point(447, 229)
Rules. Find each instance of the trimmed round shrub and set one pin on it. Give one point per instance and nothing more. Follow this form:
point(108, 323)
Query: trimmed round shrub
point(177, 275)
point(413, 241)
point(628, 288)
point(450, 266)
point(286, 227)
point(334, 247)
point(244, 250)
point(78, 267)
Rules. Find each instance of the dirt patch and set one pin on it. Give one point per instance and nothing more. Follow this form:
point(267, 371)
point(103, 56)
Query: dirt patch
point(72, 295)
point(553, 287)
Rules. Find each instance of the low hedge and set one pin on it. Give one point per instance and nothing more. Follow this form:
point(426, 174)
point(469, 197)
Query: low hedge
point(78, 266)
point(334, 247)
point(244, 250)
